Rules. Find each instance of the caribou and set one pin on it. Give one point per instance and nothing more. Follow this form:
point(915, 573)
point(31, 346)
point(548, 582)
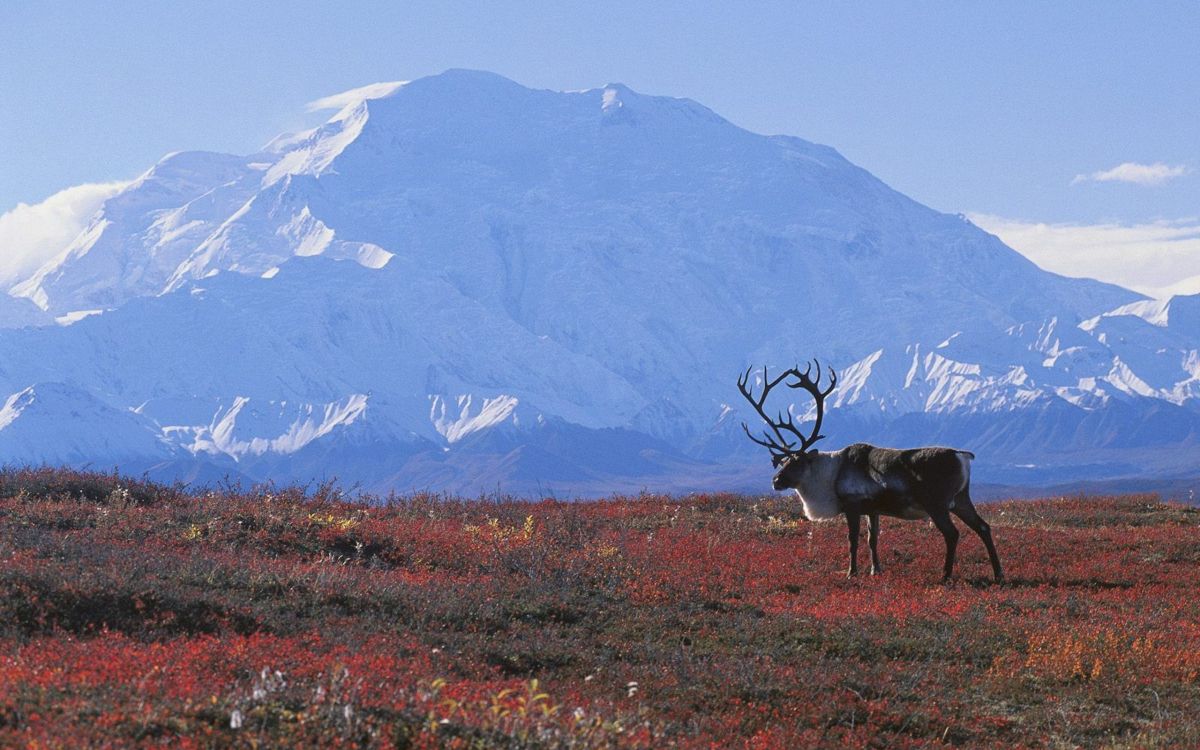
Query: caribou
point(864, 480)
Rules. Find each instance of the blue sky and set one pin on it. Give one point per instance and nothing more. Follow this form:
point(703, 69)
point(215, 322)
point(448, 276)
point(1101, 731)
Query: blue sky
point(1016, 113)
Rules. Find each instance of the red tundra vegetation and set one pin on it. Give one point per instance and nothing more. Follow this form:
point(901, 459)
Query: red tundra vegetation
point(133, 614)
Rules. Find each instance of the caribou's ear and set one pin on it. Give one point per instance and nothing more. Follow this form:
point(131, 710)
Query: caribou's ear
point(776, 461)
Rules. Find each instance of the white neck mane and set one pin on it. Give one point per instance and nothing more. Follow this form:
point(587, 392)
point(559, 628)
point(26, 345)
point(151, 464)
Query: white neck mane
point(817, 488)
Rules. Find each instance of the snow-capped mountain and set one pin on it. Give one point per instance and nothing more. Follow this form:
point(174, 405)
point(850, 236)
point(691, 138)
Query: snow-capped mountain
point(461, 283)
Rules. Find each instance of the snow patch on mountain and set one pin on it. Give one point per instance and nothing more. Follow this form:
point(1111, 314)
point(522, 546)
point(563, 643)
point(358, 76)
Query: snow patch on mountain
point(56, 423)
point(1153, 311)
point(138, 238)
point(314, 151)
point(75, 316)
point(33, 288)
point(15, 405)
point(245, 429)
point(354, 96)
point(457, 421)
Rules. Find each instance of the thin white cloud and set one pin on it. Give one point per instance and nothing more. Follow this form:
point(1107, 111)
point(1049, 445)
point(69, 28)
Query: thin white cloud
point(354, 96)
point(1157, 259)
point(1134, 173)
point(1187, 286)
point(30, 235)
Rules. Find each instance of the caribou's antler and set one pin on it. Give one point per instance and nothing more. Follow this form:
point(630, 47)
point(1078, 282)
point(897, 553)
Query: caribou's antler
point(814, 388)
point(779, 445)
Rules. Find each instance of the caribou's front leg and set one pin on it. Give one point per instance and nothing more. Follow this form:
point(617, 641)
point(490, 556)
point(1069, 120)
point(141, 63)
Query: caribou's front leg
point(853, 521)
point(873, 540)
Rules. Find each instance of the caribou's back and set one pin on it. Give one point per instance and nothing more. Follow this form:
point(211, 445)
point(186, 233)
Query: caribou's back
point(902, 483)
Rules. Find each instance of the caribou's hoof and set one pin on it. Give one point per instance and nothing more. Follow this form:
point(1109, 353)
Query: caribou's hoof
point(851, 573)
point(876, 571)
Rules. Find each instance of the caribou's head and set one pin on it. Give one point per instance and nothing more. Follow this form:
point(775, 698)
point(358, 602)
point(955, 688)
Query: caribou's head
point(790, 449)
point(791, 470)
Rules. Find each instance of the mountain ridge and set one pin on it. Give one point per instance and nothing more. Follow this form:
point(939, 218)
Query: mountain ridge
point(463, 256)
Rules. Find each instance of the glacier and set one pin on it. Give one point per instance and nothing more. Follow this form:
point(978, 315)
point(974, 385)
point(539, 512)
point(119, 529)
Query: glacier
point(458, 283)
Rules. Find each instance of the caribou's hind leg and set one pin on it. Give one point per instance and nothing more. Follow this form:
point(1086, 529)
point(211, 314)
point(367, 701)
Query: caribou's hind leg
point(964, 509)
point(854, 524)
point(941, 519)
point(873, 540)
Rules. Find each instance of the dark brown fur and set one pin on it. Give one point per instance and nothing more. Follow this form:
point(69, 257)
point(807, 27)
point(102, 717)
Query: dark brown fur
point(911, 484)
